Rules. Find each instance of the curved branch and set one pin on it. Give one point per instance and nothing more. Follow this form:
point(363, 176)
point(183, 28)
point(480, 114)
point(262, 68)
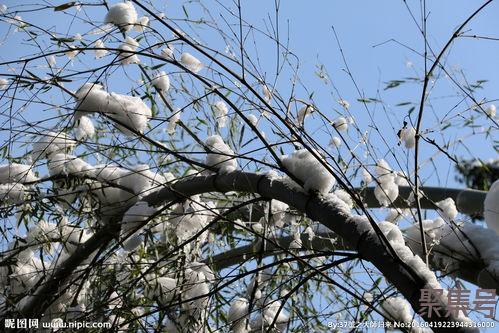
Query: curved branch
point(469, 269)
point(357, 234)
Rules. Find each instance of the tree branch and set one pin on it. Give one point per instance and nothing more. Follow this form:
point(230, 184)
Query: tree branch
point(358, 235)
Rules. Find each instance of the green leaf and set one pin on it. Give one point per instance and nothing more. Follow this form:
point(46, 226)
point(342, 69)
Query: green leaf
point(393, 84)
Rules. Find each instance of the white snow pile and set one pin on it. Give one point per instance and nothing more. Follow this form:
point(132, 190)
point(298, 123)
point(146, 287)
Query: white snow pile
point(191, 63)
point(304, 166)
point(25, 273)
point(399, 310)
point(386, 191)
point(167, 52)
point(341, 124)
point(397, 241)
point(142, 181)
point(448, 207)
point(16, 173)
point(272, 312)
point(408, 137)
point(238, 314)
point(84, 128)
point(51, 143)
point(161, 81)
point(4, 83)
point(304, 112)
point(366, 176)
point(267, 94)
point(51, 61)
point(220, 111)
point(253, 119)
point(491, 207)
point(162, 288)
point(278, 212)
point(141, 23)
point(132, 223)
point(491, 110)
point(100, 53)
point(172, 122)
point(128, 110)
point(127, 54)
point(12, 178)
point(64, 164)
point(335, 142)
point(123, 15)
point(221, 156)
point(453, 245)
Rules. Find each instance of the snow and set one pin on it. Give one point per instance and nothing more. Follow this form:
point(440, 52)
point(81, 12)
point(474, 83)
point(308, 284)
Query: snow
point(161, 81)
point(386, 190)
point(167, 52)
point(220, 110)
point(392, 232)
point(303, 113)
point(269, 315)
point(399, 310)
point(84, 128)
point(127, 55)
point(491, 207)
point(67, 165)
point(164, 288)
point(172, 122)
point(491, 110)
point(341, 124)
point(16, 173)
point(408, 136)
point(4, 83)
point(51, 143)
point(129, 110)
point(448, 207)
point(135, 216)
point(221, 156)
point(303, 165)
point(71, 54)
point(141, 180)
point(238, 311)
point(267, 94)
point(344, 103)
point(100, 53)
point(366, 176)
point(141, 23)
point(253, 119)
point(123, 15)
point(191, 62)
point(51, 60)
point(335, 142)
point(12, 193)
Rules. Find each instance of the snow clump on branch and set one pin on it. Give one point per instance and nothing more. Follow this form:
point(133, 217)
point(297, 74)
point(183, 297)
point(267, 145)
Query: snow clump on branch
point(304, 166)
point(387, 190)
point(131, 111)
point(191, 62)
point(221, 157)
point(220, 110)
point(52, 143)
point(127, 55)
point(123, 15)
point(12, 178)
point(161, 81)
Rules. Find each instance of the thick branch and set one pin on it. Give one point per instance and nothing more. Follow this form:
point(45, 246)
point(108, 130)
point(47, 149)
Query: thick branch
point(357, 235)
